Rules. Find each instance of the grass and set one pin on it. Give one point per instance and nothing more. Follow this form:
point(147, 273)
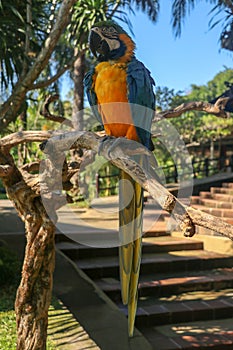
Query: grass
point(8, 322)
point(82, 204)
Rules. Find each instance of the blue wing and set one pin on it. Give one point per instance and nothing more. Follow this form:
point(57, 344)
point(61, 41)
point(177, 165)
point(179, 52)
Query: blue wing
point(91, 96)
point(141, 95)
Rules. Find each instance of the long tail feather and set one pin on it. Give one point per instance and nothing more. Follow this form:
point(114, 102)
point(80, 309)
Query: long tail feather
point(131, 205)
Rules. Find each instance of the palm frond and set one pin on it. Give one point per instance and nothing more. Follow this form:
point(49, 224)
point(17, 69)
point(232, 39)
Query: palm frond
point(180, 9)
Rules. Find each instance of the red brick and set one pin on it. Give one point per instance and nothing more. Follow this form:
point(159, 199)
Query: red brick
point(210, 203)
point(204, 194)
point(225, 205)
point(223, 197)
point(227, 213)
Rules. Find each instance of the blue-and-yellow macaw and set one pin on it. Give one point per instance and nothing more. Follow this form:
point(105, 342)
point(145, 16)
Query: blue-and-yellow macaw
point(115, 87)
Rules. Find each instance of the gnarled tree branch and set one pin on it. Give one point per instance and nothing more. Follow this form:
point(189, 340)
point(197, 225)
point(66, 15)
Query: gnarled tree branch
point(20, 137)
point(215, 109)
point(48, 115)
point(119, 151)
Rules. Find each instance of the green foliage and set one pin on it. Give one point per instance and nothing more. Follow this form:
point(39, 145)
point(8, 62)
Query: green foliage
point(193, 126)
point(167, 98)
point(15, 29)
point(108, 180)
point(201, 127)
point(24, 27)
point(222, 13)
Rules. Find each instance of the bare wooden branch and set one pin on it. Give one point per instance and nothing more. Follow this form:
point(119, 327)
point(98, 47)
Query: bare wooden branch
point(44, 83)
point(17, 138)
point(48, 115)
point(30, 167)
point(215, 109)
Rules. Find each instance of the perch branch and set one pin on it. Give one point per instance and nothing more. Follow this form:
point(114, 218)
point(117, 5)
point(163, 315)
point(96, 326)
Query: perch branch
point(44, 83)
point(215, 109)
point(119, 152)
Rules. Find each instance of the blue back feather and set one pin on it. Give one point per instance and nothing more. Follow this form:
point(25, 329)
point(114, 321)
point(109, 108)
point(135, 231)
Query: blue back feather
point(140, 93)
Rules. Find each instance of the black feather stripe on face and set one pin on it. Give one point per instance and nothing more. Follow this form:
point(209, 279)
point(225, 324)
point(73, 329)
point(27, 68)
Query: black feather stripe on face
point(105, 44)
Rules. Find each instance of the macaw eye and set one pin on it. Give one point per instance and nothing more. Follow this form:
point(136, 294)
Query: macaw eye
point(111, 30)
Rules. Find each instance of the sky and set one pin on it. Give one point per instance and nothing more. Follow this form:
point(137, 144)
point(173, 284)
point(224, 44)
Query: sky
point(193, 58)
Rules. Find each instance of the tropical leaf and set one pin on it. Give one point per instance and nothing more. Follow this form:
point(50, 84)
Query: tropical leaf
point(222, 13)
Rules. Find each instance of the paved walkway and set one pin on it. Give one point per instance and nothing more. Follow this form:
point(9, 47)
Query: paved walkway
point(101, 217)
point(9, 220)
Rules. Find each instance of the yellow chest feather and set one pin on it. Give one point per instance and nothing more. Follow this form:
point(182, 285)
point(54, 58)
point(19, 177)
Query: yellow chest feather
point(110, 84)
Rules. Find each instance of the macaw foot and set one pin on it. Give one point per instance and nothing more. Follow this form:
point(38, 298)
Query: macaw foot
point(121, 147)
point(106, 145)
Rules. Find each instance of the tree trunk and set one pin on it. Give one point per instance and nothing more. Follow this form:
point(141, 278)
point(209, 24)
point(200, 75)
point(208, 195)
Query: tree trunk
point(78, 76)
point(78, 106)
point(35, 289)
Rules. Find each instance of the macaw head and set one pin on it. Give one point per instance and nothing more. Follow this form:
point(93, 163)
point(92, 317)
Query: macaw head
point(109, 41)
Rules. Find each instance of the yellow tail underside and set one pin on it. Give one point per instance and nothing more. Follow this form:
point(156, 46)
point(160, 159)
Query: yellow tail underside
point(131, 206)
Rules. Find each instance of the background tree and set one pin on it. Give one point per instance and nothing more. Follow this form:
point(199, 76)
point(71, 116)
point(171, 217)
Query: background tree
point(222, 12)
point(24, 30)
point(197, 127)
point(23, 80)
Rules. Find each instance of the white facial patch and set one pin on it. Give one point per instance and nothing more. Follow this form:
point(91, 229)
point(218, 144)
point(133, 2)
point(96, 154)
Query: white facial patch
point(113, 44)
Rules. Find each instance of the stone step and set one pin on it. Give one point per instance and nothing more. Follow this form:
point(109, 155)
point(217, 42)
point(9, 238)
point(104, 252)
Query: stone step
point(219, 212)
point(163, 285)
point(150, 245)
point(216, 203)
point(204, 194)
point(223, 197)
point(227, 185)
point(188, 307)
point(221, 190)
point(158, 229)
point(171, 262)
point(214, 335)
point(194, 200)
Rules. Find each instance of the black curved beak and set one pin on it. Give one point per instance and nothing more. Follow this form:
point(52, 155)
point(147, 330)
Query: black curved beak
point(95, 42)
